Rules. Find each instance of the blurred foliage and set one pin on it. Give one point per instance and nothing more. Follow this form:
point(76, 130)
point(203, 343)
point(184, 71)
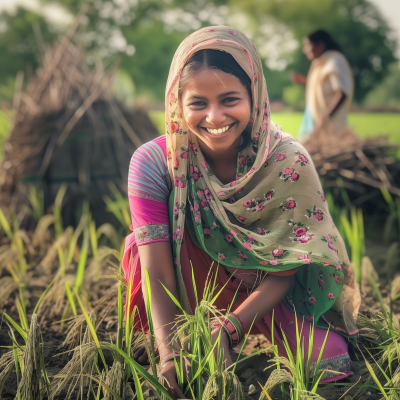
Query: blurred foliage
point(294, 95)
point(146, 33)
point(149, 66)
point(387, 93)
point(19, 47)
point(356, 25)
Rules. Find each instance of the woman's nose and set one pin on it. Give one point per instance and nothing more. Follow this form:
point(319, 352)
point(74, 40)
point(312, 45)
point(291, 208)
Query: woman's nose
point(215, 116)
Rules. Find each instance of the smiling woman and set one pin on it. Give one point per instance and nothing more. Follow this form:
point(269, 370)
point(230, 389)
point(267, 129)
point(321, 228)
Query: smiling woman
point(226, 185)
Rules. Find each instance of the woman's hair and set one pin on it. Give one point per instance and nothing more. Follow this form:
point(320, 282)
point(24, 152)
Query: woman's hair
point(321, 35)
point(216, 59)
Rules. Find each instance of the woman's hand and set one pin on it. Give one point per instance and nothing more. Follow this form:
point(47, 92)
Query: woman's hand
point(296, 77)
point(224, 345)
point(168, 371)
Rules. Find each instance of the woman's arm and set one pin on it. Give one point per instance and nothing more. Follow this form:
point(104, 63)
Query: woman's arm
point(297, 77)
point(157, 259)
point(264, 299)
point(337, 100)
point(268, 294)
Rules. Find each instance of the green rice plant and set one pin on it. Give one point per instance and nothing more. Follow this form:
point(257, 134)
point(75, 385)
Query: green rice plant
point(34, 376)
point(298, 369)
point(209, 376)
point(110, 233)
point(394, 215)
point(36, 200)
point(354, 232)
point(27, 359)
point(58, 223)
point(381, 338)
point(119, 207)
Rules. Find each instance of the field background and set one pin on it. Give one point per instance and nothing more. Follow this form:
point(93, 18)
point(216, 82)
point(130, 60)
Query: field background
point(364, 124)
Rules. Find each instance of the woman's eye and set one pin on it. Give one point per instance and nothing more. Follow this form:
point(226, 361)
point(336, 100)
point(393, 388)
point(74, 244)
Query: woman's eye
point(231, 99)
point(198, 104)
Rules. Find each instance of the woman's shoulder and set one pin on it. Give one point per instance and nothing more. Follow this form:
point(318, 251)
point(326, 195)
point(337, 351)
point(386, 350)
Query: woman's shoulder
point(293, 145)
point(157, 145)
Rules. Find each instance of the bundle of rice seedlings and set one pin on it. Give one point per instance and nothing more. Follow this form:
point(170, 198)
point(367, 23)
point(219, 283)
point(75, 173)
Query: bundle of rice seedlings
point(8, 286)
point(7, 365)
point(34, 377)
point(79, 369)
point(115, 381)
point(381, 336)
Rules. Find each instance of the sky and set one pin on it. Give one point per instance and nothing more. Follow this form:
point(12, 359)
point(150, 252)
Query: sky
point(390, 9)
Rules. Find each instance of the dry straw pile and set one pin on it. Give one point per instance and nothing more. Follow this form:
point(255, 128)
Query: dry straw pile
point(69, 129)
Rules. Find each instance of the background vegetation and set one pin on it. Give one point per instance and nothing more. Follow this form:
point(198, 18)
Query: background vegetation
point(144, 34)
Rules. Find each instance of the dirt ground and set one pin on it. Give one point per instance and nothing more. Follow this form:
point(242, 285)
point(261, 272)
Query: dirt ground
point(249, 372)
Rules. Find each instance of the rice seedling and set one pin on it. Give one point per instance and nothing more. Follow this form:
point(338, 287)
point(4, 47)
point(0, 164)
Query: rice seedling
point(119, 206)
point(302, 375)
point(354, 232)
point(36, 200)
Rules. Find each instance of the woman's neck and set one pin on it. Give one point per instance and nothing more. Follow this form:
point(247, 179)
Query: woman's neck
point(222, 163)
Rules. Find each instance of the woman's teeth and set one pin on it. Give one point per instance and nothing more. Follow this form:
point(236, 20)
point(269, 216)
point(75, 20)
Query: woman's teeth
point(221, 130)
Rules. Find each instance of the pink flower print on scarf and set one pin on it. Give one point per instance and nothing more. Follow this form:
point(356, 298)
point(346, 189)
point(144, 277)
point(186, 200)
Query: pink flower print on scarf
point(289, 173)
point(180, 181)
point(289, 205)
point(177, 234)
point(277, 252)
point(242, 255)
point(208, 194)
point(315, 213)
point(280, 156)
point(305, 259)
point(269, 195)
point(320, 280)
point(322, 195)
point(205, 205)
point(262, 231)
point(221, 257)
point(300, 158)
point(174, 127)
point(329, 239)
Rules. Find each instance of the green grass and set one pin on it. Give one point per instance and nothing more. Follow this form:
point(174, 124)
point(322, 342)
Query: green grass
point(364, 124)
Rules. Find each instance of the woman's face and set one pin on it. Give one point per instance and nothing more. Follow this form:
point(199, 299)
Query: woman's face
point(312, 50)
point(216, 107)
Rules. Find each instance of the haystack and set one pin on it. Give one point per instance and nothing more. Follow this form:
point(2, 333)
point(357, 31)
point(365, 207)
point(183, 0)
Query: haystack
point(362, 167)
point(69, 129)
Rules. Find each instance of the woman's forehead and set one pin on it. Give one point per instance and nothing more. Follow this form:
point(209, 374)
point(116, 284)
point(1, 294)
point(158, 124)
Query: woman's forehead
point(212, 81)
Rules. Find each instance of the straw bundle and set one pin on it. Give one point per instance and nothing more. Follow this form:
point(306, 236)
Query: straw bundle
point(363, 166)
point(69, 129)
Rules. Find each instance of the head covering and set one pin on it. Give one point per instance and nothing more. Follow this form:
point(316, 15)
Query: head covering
point(273, 217)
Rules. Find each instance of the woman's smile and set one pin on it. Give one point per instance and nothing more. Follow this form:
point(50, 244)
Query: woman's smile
point(219, 131)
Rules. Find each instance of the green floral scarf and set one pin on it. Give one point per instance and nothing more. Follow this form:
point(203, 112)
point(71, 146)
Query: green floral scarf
point(274, 216)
